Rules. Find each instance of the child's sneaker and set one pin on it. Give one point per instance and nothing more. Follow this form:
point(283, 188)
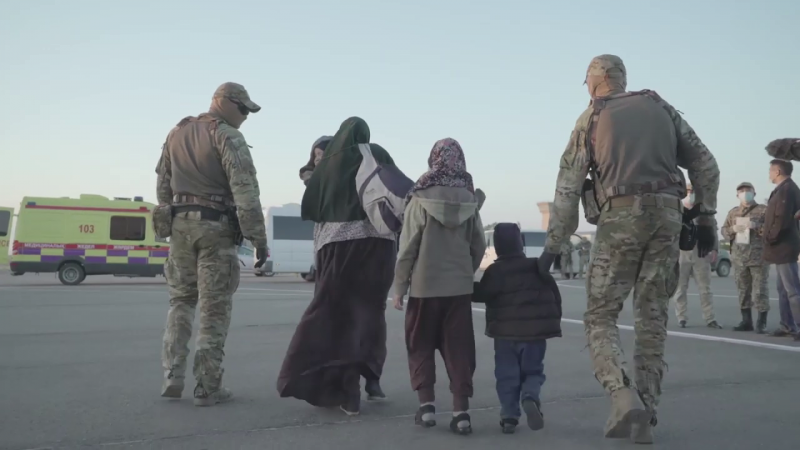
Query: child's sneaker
point(533, 413)
point(509, 425)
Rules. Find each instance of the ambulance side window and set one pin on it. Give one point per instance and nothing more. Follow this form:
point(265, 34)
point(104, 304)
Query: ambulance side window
point(5, 223)
point(124, 228)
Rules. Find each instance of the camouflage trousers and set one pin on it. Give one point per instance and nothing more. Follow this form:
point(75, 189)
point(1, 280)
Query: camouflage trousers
point(583, 263)
point(566, 264)
point(634, 249)
point(700, 269)
point(203, 267)
point(751, 282)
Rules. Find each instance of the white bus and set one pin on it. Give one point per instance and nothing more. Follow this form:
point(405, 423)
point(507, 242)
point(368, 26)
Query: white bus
point(291, 243)
point(533, 246)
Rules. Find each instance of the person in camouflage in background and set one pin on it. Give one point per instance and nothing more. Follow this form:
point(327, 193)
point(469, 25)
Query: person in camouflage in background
point(632, 143)
point(207, 182)
point(584, 250)
point(749, 269)
point(692, 265)
point(566, 259)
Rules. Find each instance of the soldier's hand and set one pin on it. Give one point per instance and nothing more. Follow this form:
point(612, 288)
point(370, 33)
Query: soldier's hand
point(544, 263)
point(262, 253)
point(706, 240)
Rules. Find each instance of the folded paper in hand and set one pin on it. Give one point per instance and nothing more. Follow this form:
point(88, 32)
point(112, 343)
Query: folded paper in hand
point(743, 237)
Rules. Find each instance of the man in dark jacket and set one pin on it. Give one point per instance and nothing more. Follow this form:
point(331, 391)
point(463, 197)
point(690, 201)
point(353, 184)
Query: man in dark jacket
point(523, 309)
point(782, 242)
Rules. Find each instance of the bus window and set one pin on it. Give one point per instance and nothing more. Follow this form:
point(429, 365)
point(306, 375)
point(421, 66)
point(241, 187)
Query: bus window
point(5, 223)
point(534, 238)
point(489, 238)
point(292, 228)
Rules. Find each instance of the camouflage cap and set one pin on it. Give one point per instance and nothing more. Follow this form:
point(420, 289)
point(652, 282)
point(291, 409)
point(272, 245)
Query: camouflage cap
point(745, 184)
point(603, 65)
point(238, 94)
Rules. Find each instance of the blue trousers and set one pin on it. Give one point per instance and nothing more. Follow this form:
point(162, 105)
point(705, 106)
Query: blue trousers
point(788, 293)
point(519, 371)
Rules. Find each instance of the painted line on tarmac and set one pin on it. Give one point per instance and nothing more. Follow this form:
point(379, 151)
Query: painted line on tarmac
point(692, 294)
point(701, 337)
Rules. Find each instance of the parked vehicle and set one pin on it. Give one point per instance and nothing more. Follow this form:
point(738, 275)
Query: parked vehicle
point(89, 235)
point(291, 243)
point(722, 265)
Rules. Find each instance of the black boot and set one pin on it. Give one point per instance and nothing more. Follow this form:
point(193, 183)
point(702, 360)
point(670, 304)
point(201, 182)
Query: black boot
point(761, 325)
point(747, 321)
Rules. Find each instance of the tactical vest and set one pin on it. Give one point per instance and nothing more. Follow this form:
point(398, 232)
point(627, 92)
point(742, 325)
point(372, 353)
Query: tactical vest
point(198, 176)
point(595, 197)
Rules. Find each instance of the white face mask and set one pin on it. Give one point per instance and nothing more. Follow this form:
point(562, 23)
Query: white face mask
point(746, 197)
point(690, 199)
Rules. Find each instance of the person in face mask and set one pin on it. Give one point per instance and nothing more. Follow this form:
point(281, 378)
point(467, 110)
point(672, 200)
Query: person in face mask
point(743, 228)
point(693, 266)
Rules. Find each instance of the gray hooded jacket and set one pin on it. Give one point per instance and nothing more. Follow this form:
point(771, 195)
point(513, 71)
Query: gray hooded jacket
point(441, 245)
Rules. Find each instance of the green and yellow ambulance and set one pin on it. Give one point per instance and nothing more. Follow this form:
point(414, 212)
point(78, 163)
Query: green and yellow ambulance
point(6, 219)
point(89, 235)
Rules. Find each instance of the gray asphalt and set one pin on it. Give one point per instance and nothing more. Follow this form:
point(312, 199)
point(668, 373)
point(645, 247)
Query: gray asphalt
point(80, 368)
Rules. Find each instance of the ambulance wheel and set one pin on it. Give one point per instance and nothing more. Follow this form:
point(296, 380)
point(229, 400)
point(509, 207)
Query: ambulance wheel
point(71, 274)
point(259, 274)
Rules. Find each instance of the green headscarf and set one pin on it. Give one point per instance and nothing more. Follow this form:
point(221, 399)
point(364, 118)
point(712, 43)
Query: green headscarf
point(331, 194)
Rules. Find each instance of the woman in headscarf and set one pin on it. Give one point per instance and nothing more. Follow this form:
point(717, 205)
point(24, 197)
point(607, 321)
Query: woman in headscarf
point(441, 247)
point(342, 335)
point(317, 150)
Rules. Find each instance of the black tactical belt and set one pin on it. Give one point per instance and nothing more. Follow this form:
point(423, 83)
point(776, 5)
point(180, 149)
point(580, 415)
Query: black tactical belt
point(206, 213)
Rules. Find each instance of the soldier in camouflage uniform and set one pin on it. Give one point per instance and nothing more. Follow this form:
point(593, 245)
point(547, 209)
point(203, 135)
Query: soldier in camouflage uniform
point(566, 259)
point(699, 268)
point(207, 189)
point(584, 250)
point(749, 269)
point(634, 143)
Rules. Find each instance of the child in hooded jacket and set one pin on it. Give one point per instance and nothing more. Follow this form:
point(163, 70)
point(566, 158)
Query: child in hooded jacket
point(523, 310)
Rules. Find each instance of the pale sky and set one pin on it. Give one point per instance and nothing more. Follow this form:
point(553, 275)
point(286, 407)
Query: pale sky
point(91, 88)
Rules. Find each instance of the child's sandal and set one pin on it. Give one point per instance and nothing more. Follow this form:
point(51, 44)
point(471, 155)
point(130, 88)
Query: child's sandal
point(461, 424)
point(426, 416)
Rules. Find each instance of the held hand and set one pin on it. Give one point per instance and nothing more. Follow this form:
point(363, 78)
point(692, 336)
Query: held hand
point(706, 240)
point(262, 254)
point(544, 263)
point(398, 302)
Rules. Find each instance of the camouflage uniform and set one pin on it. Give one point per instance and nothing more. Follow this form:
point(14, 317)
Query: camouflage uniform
point(566, 259)
point(636, 245)
point(750, 271)
point(206, 173)
point(584, 250)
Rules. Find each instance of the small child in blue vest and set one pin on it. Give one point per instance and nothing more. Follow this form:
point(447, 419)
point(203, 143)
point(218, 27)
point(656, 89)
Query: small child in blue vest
point(523, 310)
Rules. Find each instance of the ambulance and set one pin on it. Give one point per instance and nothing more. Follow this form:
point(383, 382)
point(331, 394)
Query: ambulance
point(89, 235)
point(6, 219)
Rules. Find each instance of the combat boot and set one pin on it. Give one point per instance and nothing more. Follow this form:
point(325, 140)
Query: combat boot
point(173, 385)
point(761, 324)
point(747, 321)
point(204, 398)
point(642, 433)
point(627, 409)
